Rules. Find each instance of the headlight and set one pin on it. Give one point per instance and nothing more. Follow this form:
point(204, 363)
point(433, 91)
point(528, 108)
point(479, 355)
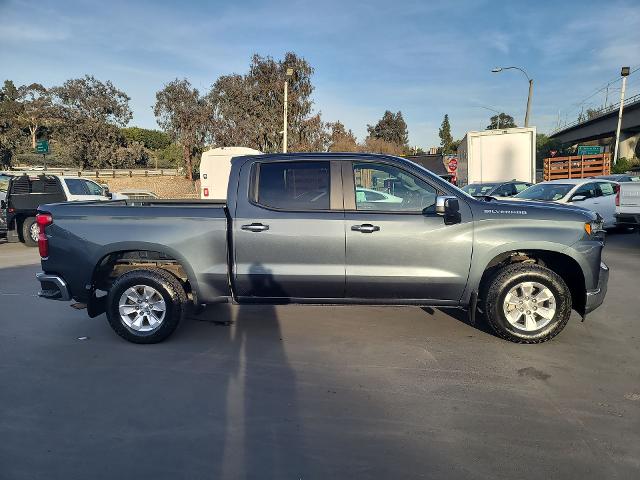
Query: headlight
point(594, 226)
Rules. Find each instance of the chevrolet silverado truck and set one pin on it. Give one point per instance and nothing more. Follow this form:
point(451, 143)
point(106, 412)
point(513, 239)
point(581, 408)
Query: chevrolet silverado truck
point(312, 228)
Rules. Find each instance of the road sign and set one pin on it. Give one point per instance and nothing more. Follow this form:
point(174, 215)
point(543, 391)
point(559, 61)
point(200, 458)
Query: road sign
point(453, 164)
point(553, 153)
point(590, 149)
point(42, 146)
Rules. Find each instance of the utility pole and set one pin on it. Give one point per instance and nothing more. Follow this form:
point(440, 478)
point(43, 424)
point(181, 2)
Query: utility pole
point(284, 115)
point(624, 73)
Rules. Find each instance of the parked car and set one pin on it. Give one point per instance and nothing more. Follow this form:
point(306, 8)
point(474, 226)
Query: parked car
point(596, 195)
point(270, 243)
point(133, 194)
point(25, 193)
point(496, 189)
point(620, 177)
point(628, 205)
point(374, 196)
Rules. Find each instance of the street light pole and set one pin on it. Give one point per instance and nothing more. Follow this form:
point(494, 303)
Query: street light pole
point(624, 73)
point(529, 97)
point(284, 113)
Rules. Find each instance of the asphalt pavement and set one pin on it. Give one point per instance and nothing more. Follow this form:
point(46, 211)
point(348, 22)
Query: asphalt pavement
point(306, 392)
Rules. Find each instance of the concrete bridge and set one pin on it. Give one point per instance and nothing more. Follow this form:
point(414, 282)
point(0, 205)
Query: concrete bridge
point(604, 125)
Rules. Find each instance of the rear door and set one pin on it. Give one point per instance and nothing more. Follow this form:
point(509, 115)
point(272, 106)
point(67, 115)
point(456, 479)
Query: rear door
point(399, 251)
point(288, 230)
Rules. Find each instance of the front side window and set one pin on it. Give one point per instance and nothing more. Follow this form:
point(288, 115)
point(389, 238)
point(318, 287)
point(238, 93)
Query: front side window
point(294, 185)
point(76, 186)
point(380, 187)
point(588, 190)
point(521, 187)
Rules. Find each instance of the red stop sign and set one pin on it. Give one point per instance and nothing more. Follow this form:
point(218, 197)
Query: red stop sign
point(453, 164)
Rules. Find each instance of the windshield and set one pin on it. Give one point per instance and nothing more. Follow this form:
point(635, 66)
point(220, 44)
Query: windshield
point(478, 189)
point(545, 191)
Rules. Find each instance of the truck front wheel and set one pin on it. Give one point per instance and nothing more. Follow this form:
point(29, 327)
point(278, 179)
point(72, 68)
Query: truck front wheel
point(527, 303)
point(145, 306)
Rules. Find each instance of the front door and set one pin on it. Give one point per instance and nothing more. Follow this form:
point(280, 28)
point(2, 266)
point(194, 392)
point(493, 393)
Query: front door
point(397, 247)
point(288, 234)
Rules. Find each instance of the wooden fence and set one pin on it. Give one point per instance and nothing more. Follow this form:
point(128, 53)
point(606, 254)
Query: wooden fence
point(578, 166)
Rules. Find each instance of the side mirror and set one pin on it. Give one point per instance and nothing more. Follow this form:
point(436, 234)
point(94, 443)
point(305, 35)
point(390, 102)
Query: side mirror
point(578, 198)
point(449, 208)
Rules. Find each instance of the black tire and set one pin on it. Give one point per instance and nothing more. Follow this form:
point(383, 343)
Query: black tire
point(26, 232)
point(500, 285)
point(168, 286)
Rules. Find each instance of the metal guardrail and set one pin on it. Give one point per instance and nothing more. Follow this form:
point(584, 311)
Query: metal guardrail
point(69, 172)
point(601, 113)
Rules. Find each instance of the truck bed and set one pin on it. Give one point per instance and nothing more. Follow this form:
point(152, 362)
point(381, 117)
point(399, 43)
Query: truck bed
point(194, 233)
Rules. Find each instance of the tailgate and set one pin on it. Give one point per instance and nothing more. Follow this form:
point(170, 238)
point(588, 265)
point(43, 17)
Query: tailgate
point(629, 197)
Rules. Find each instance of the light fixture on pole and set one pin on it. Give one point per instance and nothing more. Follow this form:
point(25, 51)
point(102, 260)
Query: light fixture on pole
point(526, 116)
point(624, 73)
point(284, 114)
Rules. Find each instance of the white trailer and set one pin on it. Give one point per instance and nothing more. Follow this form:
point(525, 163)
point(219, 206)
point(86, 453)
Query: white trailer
point(215, 166)
point(497, 156)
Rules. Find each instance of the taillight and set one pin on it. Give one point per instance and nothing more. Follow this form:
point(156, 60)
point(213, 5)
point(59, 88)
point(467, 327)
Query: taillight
point(43, 219)
point(205, 191)
point(617, 188)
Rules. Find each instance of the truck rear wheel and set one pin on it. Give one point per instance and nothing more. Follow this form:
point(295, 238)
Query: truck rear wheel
point(527, 303)
point(146, 306)
point(30, 232)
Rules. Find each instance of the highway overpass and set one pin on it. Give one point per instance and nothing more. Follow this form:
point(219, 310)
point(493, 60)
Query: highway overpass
point(604, 126)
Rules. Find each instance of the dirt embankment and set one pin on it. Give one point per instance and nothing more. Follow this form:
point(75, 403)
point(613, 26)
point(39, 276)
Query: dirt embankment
point(164, 187)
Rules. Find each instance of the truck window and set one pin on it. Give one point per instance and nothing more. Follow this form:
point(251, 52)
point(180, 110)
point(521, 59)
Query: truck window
point(76, 186)
point(400, 191)
point(294, 185)
point(606, 189)
point(94, 188)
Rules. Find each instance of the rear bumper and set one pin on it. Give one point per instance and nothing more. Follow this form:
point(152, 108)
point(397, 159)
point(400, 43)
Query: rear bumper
point(53, 287)
point(628, 220)
point(596, 297)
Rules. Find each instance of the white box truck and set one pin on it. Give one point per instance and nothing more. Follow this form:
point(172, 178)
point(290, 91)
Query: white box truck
point(215, 165)
point(497, 156)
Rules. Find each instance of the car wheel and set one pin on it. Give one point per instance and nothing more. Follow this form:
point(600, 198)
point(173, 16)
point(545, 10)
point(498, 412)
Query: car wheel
point(146, 306)
point(30, 232)
point(527, 303)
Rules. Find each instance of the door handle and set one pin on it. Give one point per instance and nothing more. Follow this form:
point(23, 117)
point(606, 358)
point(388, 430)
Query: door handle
point(365, 228)
point(255, 227)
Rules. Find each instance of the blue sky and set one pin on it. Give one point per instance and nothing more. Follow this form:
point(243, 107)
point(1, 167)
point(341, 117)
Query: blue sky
point(425, 58)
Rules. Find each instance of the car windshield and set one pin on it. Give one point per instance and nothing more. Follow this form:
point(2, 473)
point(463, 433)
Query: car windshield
point(478, 189)
point(545, 191)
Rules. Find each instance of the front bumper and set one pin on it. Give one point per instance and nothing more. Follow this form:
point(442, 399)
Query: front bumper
point(596, 297)
point(53, 287)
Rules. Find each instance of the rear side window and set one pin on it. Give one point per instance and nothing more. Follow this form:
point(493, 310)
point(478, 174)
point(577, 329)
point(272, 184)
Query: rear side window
point(294, 185)
point(607, 188)
point(76, 186)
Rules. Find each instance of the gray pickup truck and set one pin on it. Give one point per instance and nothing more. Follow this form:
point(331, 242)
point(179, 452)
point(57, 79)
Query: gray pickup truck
point(325, 228)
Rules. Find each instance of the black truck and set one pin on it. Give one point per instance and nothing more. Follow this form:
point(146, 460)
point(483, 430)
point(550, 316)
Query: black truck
point(304, 228)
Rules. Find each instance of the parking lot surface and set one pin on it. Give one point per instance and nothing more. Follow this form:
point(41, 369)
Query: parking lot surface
point(306, 392)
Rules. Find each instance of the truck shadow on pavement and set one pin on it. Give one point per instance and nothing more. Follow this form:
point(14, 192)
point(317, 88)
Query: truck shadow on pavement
point(257, 431)
point(463, 317)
